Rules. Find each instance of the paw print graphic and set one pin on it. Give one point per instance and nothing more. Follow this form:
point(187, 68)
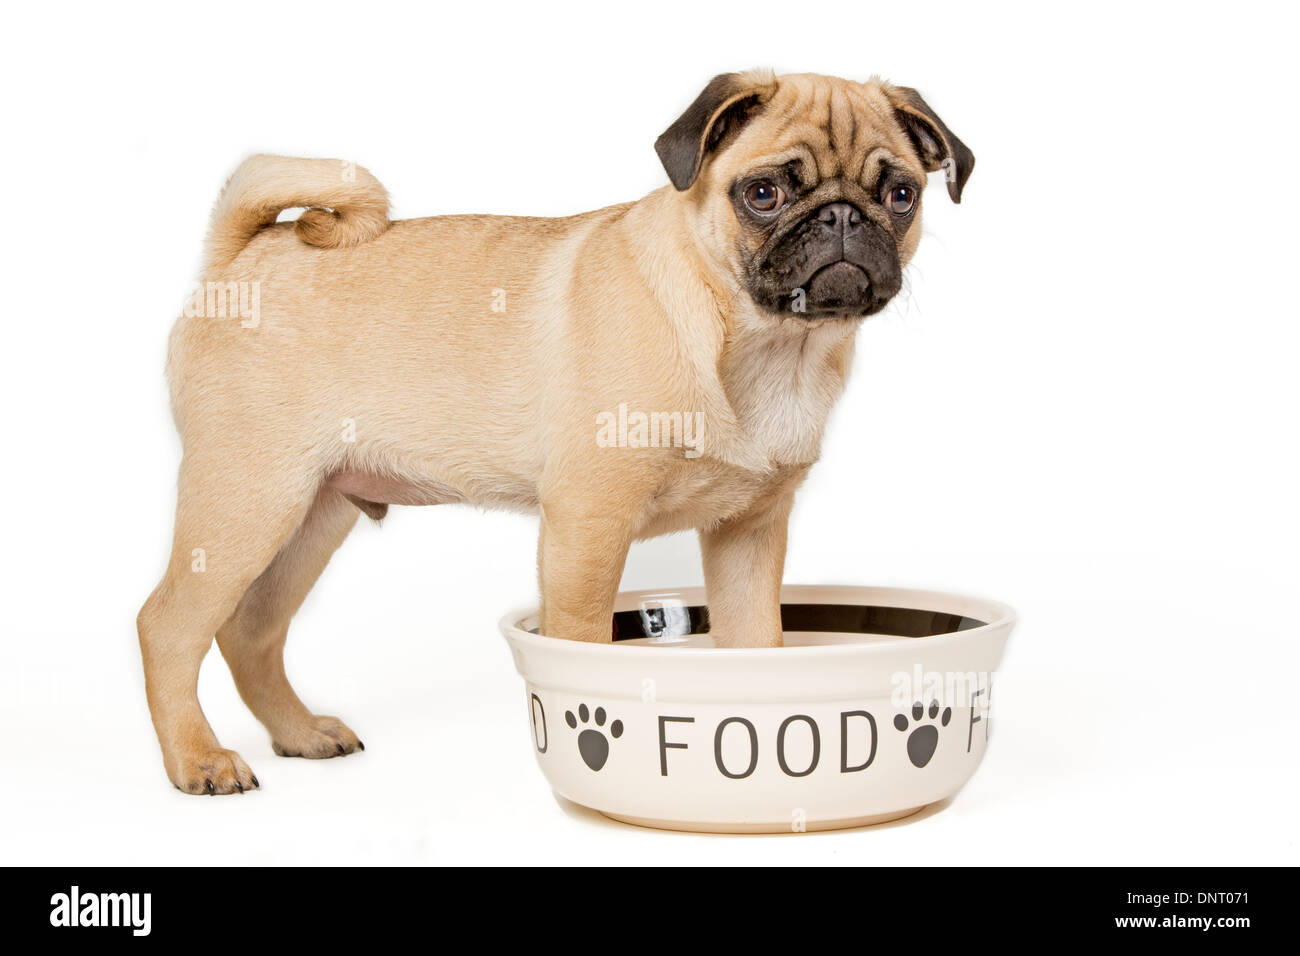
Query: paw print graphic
point(924, 736)
point(592, 743)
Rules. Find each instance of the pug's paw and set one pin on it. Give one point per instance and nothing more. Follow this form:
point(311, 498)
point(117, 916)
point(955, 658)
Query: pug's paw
point(316, 739)
point(211, 773)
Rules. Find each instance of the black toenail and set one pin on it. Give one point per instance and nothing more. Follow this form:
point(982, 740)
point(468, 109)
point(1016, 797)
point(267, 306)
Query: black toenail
point(341, 750)
point(255, 783)
point(360, 745)
point(212, 791)
point(239, 786)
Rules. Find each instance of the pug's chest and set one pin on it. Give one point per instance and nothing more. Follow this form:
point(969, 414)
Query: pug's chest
point(709, 492)
point(781, 385)
point(785, 428)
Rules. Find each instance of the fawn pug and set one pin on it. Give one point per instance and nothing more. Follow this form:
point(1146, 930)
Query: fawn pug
point(470, 358)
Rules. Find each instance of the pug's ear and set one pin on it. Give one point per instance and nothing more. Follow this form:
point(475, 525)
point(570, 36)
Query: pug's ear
point(717, 114)
point(935, 143)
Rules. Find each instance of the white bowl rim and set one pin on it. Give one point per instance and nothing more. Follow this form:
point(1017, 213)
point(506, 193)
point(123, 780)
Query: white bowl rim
point(994, 614)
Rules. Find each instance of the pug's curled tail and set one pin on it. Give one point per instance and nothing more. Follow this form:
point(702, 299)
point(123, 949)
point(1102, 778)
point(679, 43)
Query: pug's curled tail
point(346, 205)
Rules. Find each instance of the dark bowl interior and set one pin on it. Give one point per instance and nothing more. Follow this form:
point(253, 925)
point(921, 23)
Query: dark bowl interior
point(680, 621)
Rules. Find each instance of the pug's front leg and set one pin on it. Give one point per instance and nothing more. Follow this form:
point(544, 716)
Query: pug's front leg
point(580, 558)
point(743, 562)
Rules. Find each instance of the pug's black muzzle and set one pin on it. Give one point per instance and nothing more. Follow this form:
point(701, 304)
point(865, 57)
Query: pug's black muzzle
point(834, 263)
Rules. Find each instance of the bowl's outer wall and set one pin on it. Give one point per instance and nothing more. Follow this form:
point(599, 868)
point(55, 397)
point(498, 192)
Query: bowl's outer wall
point(753, 763)
point(784, 738)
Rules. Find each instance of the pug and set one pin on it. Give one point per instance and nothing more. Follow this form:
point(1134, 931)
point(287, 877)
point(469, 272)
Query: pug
point(638, 370)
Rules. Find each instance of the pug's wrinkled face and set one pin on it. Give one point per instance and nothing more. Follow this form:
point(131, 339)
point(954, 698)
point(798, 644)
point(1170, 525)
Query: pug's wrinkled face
point(809, 187)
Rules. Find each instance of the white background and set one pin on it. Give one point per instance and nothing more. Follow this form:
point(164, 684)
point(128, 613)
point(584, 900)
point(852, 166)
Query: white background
point(1085, 407)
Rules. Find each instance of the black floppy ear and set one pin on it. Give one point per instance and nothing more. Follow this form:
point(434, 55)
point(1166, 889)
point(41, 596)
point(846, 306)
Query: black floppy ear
point(935, 143)
point(723, 107)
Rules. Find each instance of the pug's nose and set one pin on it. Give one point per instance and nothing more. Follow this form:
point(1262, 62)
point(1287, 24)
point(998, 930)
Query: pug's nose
point(840, 216)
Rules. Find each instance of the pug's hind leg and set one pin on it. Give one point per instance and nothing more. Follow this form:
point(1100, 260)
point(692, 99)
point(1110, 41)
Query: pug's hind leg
point(252, 640)
point(230, 522)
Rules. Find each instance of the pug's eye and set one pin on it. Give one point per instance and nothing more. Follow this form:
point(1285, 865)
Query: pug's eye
point(764, 196)
point(900, 200)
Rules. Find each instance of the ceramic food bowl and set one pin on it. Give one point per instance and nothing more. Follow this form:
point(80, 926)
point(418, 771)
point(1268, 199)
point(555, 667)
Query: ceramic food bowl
point(877, 706)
